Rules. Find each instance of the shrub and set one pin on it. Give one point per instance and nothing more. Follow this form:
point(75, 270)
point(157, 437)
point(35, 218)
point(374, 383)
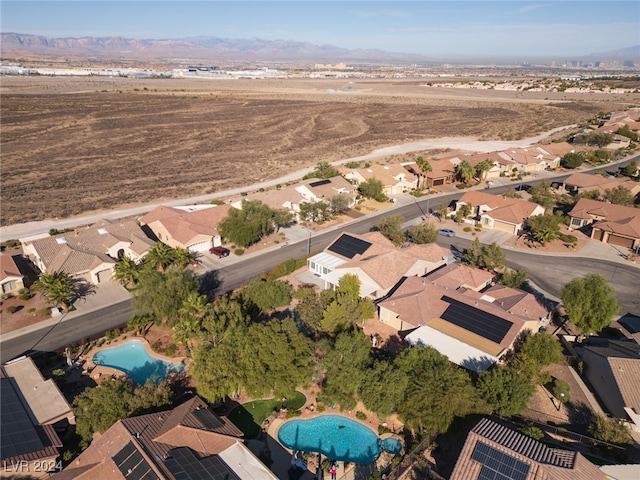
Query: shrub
point(239, 251)
point(170, 351)
point(26, 295)
point(12, 309)
point(216, 202)
point(382, 430)
point(361, 415)
point(12, 243)
point(112, 334)
point(31, 310)
point(467, 229)
point(293, 413)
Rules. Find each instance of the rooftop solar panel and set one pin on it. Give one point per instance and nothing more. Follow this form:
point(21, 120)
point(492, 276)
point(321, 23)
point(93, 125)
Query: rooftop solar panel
point(481, 323)
point(133, 465)
point(185, 465)
point(497, 465)
point(349, 246)
point(320, 182)
point(208, 419)
point(18, 432)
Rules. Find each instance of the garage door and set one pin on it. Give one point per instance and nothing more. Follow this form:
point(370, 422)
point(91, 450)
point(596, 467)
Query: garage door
point(621, 241)
point(199, 247)
point(503, 227)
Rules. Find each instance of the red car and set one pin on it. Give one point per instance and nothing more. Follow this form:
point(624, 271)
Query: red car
point(220, 252)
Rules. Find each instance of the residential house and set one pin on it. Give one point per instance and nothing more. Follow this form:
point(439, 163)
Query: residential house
point(31, 410)
point(609, 223)
point(11, 279)
point(395, 178)
point(531, 159)
point(585, 182)
point(613, 370)
point(193, 227)
point(498, 164)
point(495, 451)
point(499, 212)
point(190, 441)
point(89, 253)
point(443, 172)
point(375, 261)
point(618, 142)
point(314, 190)
point(456, 275)
point(559, 149)
point(472, 330)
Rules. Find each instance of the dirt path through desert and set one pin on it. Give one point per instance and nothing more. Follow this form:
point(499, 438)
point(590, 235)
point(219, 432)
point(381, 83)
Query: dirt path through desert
point(41, 228)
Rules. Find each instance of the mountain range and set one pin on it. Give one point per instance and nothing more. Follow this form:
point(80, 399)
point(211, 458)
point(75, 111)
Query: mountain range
point(213, 50)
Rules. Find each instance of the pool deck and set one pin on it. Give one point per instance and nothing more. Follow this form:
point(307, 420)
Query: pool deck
point(101, 372)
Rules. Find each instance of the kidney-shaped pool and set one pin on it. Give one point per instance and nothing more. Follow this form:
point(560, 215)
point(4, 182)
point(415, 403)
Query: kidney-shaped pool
point(132, 358)
point(335, 436)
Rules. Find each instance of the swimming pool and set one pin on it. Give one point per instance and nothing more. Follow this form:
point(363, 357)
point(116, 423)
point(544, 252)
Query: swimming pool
point(336, 437)
point(132, 358)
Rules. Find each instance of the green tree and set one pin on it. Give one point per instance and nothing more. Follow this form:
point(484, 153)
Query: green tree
point(442, 211)
point(423, 233)
point(391, 227)
point(561, 390)
point(276, 358)
point(139, 324)
point(316, 212)
point(161, 295)
point(323, 170)
point(543, 228)
point(543, 195)
point(518, 278)
point(619, 195)
point(505, 390)
point(339, 204)
point(465, 171)
point(183, 257)
point(159, 257)
point(210, 367)
point(345, 364)
point(625, 131)
point(532, 352)
point(491, 257)
point(425, 168)
point(631, 170)
point(589, 302)
point(383, 388)
point(59, 288)
point(249, 224)
point(463, 212)
point(437, 391)
point(572, 160)
point(268, 294)
point(282, 217)
point(349, 285)
point(609, 430)
point(482, 168)
point(599, 156)
point(311, 307)
point(473, 253)
point(96, 409)
point(224, 316)
point(125, 272)
point(372, 188)
point(190, 313)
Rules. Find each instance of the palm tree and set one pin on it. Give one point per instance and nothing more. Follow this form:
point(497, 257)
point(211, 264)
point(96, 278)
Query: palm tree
point(425, 167)
point(160, 256)
point(482, 168)
point(59, 288)
point(465, 171)
point(183, 257)
point(126, 271)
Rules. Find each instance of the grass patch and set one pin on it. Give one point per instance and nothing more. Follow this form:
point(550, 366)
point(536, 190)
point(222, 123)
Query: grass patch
point(249, 416)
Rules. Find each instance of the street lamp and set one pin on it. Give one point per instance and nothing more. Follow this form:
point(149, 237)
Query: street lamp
point(560, 401)
point(309, 244)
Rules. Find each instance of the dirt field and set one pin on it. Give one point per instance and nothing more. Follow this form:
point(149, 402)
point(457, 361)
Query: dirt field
point(74, 145)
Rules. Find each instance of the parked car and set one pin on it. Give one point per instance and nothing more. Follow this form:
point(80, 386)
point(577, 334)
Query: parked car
point(446, 232)
point(220, 252)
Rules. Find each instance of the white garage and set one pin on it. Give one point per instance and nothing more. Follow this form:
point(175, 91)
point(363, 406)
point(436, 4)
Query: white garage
point(200, 246)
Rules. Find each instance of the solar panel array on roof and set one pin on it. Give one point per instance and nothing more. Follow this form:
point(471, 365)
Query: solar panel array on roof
point(349, 246)
point(320, 182)
point(185, 465)
point(208, 419)
point(474, 320)
point(497, 465)
point(132, 464)
point(19, 434)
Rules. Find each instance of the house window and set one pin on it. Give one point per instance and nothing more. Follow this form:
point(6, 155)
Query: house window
point(576, 221)
point(325, 270)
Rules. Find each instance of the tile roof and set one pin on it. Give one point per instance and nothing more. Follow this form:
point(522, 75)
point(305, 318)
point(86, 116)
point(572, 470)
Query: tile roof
point(511, 210)
point(544, 463)
point(188, 225)
point(516, 301)
point(8, 267)
point(387, 174)
point(530, 155)
point(614, 218)
point(456, 275)
point(155, 435)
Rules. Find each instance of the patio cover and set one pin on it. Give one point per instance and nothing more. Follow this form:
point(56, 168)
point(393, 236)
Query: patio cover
point(458, 352)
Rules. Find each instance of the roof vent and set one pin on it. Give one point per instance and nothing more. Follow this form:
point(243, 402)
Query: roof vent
point(61, 240)
point(102, 231)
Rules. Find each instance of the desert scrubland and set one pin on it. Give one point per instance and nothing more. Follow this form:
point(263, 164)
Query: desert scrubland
point(75, 145)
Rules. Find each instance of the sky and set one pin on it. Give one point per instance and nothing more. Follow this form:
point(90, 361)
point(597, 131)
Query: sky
point(431, 28)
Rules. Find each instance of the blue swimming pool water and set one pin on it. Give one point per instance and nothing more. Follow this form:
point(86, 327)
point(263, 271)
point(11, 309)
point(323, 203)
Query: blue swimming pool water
point(391, 445)
point(133, 359)
point(336, 437)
